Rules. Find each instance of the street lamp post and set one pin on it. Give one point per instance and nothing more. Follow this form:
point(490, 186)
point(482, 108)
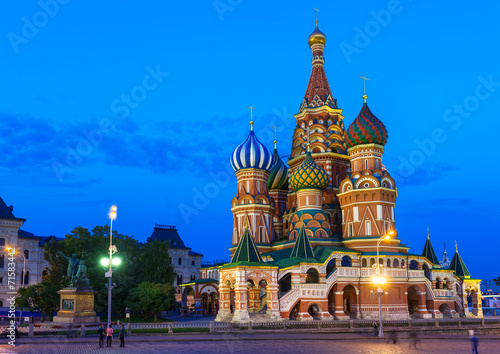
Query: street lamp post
point(109, 274)
point(22, 278)
point(379, 280)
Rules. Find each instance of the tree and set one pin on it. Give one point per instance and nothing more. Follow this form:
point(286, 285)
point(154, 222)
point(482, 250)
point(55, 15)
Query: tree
point(153, 265)
point(497, 281)
point(41, 297)
point(151, 298)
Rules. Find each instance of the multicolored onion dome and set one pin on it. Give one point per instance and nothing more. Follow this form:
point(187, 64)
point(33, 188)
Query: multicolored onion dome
point(317, 37)
point(366, 129)
point(251, 154)
point(278, 179)
point(309, 175)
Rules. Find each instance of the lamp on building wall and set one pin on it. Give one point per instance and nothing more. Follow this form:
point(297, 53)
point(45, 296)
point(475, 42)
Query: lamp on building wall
point(380, 280)
point(22, 278)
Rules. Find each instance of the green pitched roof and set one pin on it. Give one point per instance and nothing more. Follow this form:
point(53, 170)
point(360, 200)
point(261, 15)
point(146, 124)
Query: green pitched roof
point(246, 251)
point(458, 266)
point(302, 248)
point(429, 253)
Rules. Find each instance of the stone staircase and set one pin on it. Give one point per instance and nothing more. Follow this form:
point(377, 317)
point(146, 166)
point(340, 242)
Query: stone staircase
point(259, 317)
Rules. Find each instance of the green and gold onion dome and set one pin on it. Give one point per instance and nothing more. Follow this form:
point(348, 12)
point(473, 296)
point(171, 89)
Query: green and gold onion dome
point(317, 37)
point(309, 175)
point(278, 178)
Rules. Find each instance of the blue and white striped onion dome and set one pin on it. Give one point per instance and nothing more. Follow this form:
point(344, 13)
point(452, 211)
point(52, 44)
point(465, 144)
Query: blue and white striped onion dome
point(251, 154)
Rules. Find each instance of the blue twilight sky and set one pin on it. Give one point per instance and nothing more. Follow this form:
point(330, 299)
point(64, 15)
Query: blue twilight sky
point(140, 104)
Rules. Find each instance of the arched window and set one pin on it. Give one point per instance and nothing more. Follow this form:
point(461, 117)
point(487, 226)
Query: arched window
point(312, 276)
point(346, 261)
point(27, 254)
point(395, 264)
point(413, 265)
point(1, 303)
point(330, 267)
point(427, 271)
point(180, 261)
point(2, 241)
point(403, 263)
point(372, 262)
point(366, 164)
point(26, 278)
point(388, 263)
point(363, 262)
point(445, 283)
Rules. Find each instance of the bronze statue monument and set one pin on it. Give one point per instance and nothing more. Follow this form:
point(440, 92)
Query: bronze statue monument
point(77, 300)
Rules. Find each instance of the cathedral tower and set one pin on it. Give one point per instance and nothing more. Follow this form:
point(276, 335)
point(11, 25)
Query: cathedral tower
point(253, 205)
point(320, 114)
point(278, 190)
point(368, 194)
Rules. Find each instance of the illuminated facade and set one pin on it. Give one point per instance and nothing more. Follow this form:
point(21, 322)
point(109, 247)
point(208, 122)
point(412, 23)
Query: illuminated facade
point(305, 236)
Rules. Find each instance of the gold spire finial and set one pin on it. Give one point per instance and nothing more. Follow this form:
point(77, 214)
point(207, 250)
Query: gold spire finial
point(364, 87)
point(315, 9)
point(456, 247)
point(275, 129)
point(251, 117)
point(246, 224)
point(427, 232)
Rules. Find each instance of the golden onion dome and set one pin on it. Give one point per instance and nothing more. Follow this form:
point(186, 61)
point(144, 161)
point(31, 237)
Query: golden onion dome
point(317, 37)
point(309, 175)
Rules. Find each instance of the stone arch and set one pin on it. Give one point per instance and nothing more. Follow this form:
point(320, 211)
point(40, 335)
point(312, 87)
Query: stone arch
point(412, 297)
point(364, 263)
point(395, 263)
point(285, 284)
point(350, 299)
point(445, 310)
point(346, 261)
point(312, 276)
point(314, 310)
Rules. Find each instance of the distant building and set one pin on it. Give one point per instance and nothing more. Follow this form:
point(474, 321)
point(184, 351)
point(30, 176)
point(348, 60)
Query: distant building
point(186, 263)
point(445, 262)
point(27, 245)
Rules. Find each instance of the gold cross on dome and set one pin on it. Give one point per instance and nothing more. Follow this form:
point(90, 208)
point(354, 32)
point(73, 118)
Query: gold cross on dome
point(251, 116)
point(275, 129)
point(365, 79)
point(315, 9)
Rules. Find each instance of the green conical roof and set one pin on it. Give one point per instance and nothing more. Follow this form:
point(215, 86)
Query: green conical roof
point(246, 251)
point(302, 248)
point(428, 251)
point(458, 265)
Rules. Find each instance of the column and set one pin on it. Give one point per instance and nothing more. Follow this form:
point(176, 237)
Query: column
point(240, 303)
point(339, 313)
point(422, 307)
point(224, 302)
point(273, 308)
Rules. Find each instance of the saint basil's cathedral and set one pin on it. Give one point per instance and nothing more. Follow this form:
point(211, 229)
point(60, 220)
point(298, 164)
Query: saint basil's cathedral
point(310, 236)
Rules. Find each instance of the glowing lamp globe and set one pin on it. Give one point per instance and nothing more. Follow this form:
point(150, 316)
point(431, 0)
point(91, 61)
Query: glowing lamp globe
point(105, 262)
point(116, 261)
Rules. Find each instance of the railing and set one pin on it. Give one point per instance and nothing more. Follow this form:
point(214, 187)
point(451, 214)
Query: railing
point(284, 325)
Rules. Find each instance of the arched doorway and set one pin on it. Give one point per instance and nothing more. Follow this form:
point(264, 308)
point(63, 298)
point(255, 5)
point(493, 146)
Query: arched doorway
point(294, 312)
point(263, 295)
point(412, 301)
point(285, 284)
point(312, 276)
point(445, 310)
point(188, 301)
point(350, 301)
point(314, 311)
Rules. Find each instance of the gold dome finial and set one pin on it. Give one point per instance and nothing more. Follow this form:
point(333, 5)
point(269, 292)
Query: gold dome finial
point(317, 36)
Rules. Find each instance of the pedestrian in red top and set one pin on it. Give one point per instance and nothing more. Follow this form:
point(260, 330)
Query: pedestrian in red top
point(109, 336)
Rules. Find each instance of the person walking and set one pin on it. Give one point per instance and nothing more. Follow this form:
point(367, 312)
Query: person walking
point(375, 328)
point(413, 339)
point(122, 336)
point(474, 341)
point(109, 336)
point(101, 333)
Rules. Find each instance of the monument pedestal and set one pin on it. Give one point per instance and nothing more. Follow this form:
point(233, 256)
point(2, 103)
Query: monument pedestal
point(77, 306)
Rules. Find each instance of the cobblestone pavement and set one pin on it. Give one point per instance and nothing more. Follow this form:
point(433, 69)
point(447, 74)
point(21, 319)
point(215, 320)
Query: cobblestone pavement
point(440, 346)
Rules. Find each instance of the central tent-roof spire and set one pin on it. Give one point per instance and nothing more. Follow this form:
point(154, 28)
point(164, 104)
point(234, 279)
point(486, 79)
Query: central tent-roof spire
point(318, 91)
